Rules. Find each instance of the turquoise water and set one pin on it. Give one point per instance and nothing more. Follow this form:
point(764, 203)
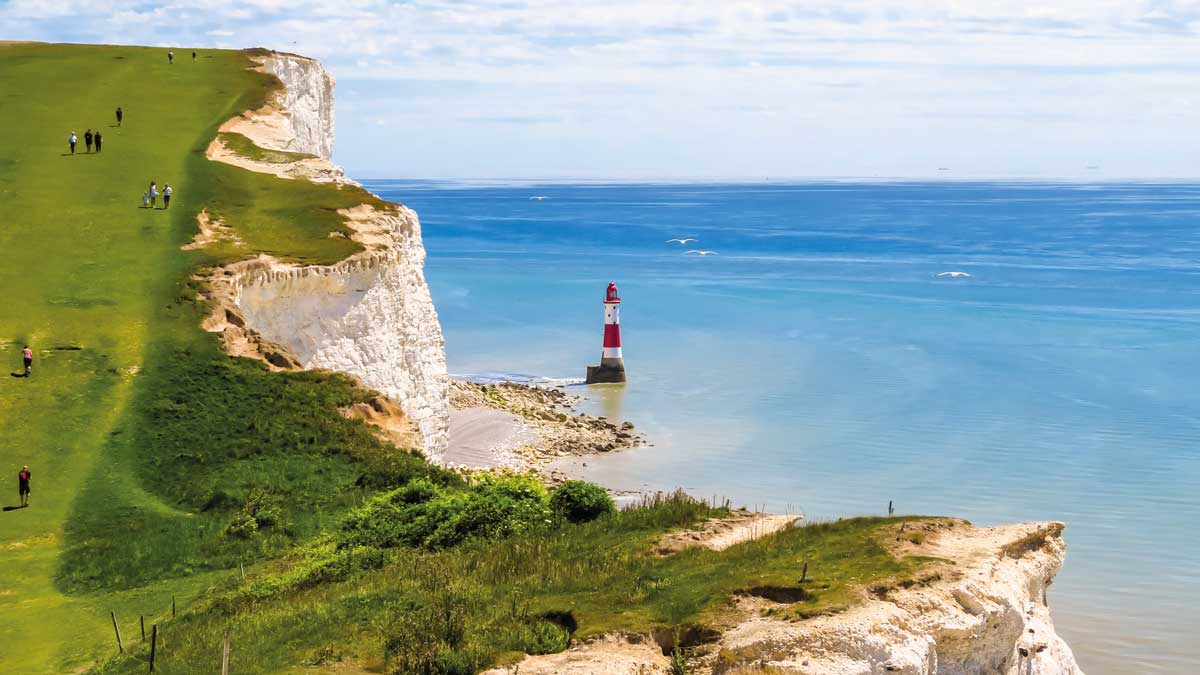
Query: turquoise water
point(818, 364)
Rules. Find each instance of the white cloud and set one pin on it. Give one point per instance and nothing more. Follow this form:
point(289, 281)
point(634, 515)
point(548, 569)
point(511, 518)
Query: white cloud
point(850, 86)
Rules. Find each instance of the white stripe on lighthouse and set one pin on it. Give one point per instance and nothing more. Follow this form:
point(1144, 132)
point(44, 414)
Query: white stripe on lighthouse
point(612, 317)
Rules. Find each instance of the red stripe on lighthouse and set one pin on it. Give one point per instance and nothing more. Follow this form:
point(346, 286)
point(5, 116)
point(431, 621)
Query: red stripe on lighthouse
point(612, 335)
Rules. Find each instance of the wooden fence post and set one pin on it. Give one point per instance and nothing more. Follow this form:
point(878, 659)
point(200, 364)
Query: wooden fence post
point(142, 623)
point(153, 644)
point(225, 656)
point(172, 607)
point(116, 630)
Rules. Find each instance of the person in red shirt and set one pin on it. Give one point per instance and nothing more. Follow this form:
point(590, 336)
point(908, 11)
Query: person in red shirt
point(27, 354)
point(23, 485)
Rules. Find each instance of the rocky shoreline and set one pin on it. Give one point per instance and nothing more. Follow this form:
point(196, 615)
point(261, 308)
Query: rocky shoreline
point(554, 428)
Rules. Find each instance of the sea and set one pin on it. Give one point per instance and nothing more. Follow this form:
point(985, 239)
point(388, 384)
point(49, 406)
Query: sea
point(821, 361)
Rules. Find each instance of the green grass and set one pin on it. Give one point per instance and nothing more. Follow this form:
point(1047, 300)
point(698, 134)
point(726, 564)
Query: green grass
point(486, 601)
point(113, 519)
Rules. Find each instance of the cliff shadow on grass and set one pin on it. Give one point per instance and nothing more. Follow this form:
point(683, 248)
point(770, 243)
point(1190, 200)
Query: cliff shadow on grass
point(220, 462)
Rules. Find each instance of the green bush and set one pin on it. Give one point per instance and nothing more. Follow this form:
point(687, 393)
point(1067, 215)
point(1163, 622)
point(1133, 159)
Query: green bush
point(262, 510)
point(539, 637)
point(580, 502)
point(427, 515)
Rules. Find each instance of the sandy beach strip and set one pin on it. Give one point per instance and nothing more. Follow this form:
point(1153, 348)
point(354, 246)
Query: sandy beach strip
point(485, 438)
point(519, 426)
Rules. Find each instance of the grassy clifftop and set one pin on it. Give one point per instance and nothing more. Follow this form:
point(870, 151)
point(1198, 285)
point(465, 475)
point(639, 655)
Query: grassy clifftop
point(133, 420)
point(161, 466)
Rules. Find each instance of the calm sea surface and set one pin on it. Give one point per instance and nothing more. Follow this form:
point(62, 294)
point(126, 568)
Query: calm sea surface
point(818, 363)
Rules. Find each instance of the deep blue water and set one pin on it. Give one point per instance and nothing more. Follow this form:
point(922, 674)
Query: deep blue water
point(817, 363)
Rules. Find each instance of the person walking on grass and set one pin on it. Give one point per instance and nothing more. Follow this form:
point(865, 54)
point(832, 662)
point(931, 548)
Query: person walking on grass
point(87, 139)
point(145, 200)
point(153, 195)
point(27, 355)
point(170, 57)
point(167, 196)
point(193, 57)
point(96, 138)
point(119, 115)
point(23, 485)
point(72, 140)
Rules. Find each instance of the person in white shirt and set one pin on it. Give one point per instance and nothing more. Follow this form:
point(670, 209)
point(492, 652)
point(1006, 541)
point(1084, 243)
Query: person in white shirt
point(72, 140)
point(167, 196)
point(153, 195)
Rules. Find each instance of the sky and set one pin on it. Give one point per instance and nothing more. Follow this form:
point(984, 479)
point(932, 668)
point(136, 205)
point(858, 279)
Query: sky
point(661, 89)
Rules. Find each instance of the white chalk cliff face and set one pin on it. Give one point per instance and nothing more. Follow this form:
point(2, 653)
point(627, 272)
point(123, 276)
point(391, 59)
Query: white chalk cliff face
point(307, 103)
point(370, 315)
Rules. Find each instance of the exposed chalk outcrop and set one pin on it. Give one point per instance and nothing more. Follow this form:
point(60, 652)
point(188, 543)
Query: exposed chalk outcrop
point(371, 315)
point(984, 613)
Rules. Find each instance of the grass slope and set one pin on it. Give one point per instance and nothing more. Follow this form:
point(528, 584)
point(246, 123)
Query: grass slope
point(98, 287)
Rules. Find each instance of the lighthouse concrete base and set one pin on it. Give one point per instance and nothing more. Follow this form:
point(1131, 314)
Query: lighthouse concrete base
point(606, 373)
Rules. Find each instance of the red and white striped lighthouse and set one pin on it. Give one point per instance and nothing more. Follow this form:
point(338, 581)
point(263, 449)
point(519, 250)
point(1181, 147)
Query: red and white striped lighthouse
point(612, 366)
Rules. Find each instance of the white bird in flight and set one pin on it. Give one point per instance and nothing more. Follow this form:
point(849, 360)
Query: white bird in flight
point(703, 252)
point(953, 274)
point(538, 198)
point(681, 241)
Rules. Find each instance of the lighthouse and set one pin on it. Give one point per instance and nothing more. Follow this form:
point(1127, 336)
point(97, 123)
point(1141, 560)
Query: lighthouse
point(612, 366)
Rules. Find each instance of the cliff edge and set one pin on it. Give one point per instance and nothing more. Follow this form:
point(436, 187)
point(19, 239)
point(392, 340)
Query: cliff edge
point(981, 609)
point(369, 316)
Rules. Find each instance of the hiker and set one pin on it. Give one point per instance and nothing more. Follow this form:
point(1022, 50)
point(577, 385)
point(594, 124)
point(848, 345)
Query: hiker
point(153, 194)
point(96, 138)
point(193, 57)
point(170, 57)
point(87, 139)
point(27, 355)
point(167, 196)
point(145, 200)
point(23, 485)
point(72, 140)
point(119, 115)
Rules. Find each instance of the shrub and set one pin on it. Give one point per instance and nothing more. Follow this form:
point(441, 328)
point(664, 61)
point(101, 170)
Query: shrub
point(423, 514)
point(262, 510)
point(539, 637)
point(580, 502)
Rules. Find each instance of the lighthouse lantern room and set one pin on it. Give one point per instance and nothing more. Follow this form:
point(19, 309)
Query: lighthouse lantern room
point(612, 365)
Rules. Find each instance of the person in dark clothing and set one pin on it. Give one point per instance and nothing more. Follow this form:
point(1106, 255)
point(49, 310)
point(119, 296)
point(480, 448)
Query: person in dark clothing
point(119, 115)
point(23, 485)
point(193, 57)
point(170, 57)
point(87, 139)
point(97, 139)
point(167, 196)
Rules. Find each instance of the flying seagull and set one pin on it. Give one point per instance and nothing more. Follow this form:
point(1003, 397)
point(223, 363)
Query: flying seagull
point(703, 252)
point(681, 241)
point(538, 198)
point(953, 274)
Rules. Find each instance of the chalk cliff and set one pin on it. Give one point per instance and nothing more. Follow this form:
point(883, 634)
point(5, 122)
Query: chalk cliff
point(371, 315)
point(306, 102)
point(982, 612)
